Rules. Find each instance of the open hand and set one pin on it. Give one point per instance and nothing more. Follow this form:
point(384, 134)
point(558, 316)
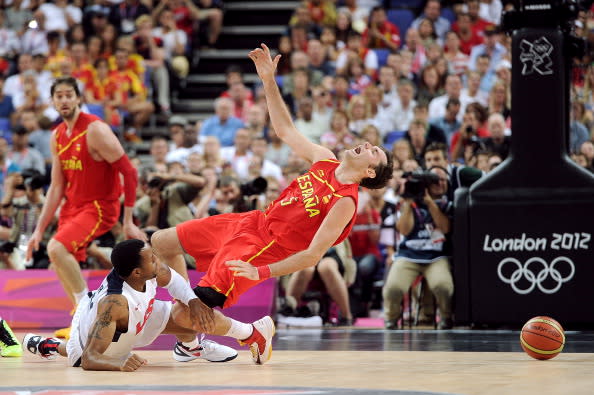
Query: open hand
point(265, 65)
point(202, 316)
point(243, 269)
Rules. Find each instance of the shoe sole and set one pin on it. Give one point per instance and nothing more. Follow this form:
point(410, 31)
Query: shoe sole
point(256, 352)
point(26, 339)
point(189, 359)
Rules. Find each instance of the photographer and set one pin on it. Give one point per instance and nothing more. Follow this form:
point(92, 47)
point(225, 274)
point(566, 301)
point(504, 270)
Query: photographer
point(468, 138)
point(25, 211)
point(423, 220)
point(234, 197)
point(167, 197)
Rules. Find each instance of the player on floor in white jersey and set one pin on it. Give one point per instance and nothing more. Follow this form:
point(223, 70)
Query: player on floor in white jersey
point(123, 314)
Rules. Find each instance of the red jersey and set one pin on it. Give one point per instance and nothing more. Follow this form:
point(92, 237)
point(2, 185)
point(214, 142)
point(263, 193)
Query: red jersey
point(86, 179)
point(294, 218)
point(387, 30)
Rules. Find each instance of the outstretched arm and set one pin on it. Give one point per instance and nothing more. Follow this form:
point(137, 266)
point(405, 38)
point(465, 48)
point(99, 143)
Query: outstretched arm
point(332, 226)
point(279, 114)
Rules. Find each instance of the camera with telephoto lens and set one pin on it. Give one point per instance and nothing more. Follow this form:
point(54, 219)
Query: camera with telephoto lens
point(417, 183)
point(257, 186)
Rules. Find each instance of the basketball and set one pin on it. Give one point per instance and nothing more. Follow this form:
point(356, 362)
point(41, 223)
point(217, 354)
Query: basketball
point(542, 337)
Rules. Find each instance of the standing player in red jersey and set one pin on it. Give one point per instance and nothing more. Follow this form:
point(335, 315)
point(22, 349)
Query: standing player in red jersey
point(87, 160)
point(238, 251)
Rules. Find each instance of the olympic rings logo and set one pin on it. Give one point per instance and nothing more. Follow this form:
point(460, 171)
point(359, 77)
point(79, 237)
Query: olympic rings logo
point(536, 278)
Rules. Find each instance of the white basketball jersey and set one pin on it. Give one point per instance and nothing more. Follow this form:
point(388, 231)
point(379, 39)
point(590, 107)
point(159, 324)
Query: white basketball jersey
point(140, 307)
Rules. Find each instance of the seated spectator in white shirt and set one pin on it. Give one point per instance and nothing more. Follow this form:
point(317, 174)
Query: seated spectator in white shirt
point(453, 88)
point(259, 146)
point(239, 154)
point(60, 15)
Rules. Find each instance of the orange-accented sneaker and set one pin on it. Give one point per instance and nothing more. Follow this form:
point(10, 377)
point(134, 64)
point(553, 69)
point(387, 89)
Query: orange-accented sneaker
point(63, 333)
point(260, 341)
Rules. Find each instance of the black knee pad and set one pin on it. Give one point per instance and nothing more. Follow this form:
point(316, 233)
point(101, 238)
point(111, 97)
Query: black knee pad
point(210, 297)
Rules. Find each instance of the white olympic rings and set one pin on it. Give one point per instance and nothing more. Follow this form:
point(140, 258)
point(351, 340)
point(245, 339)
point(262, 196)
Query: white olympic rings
point(535, 279)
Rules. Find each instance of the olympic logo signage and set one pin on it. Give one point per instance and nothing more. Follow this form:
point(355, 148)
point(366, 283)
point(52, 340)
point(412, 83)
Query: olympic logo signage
point(535, 271)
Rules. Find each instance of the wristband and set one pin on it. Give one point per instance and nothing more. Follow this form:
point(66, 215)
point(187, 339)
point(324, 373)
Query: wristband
point(263, 272)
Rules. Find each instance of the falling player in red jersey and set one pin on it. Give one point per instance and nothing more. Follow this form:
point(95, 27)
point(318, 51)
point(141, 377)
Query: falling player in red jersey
point(315, 212)
point(87, 160)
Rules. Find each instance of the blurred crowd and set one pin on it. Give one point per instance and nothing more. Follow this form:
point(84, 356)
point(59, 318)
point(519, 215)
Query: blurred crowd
point(437, 94)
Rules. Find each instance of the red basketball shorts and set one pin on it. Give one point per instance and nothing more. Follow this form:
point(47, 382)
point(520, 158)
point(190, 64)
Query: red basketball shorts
point(212, 241)
point(78, 226)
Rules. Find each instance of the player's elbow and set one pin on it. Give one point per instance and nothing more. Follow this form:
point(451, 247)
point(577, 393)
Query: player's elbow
point(87, 361)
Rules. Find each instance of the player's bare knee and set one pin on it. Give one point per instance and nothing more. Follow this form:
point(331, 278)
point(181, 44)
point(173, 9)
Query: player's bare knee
point(56, 250)
point(166, 243)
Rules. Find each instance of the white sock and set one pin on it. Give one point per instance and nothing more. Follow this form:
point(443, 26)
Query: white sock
point(79, 295)
point(239, 330)
point(192, 345)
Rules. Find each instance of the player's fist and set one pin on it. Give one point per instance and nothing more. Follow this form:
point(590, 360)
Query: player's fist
point(132, 363)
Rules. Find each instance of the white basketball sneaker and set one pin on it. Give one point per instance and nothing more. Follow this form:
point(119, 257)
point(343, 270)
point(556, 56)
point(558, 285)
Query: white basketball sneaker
point(45, 347)
point(207, 349)
point(260, 342)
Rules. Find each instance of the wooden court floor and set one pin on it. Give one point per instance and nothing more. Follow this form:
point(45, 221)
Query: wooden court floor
point(333, 367)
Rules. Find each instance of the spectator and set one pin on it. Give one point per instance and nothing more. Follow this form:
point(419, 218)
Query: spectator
point(124, 14)
point(22, 155)
point(587, 149)
point(34, 40)
point(175, 43)
point(223, 124)
point(388, 86)
point(60, 16)
point(10, 45)
point(498, 142)
point(322, 104)
point(372, 135)
point(432, 11)
point(404, 108)
point(300, 62)
point(383, 118)
point(150, 48)
point(40, 135)
point(491, 47)
point(467, 139)
point(453, 89)
point(212, 154)
point(457, 60)
point(7, 166)
point(354, 49)
point(158, 152)
point(100, 91)
point(239, 154)
point(94, 47)
point(415, 56)
point(18, 15)
point(318, 60)
point(267, 168)
point(478, 24)
point(82, 70)
point(341, 95)
point(278, 152)
point(473, 83)
point(181, 147)
point(300, 90)
point(321, 12)
point(336, 270)
point(95, 19)
point(256, 122)
point(6, 106)
point(339, 136)
point(359, 113)
point(491, 10)
point(486, 77)
point(427, 34)
point(302, 20)
point(130, 95)
point(381, 33)
point(358, 14)
point(499, 100)
point(416, 134)
point(355, 72)
point(26, 209)
point(343, 29)
point(449, 122)
point(109, 36)
point(468, 37)
point(364, 239)
point(309, 126)
point(242, 99)
point(424, 223)
point(430, 85)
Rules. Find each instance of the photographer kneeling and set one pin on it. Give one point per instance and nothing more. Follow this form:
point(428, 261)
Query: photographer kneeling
point(24, 208)
point(423, 220)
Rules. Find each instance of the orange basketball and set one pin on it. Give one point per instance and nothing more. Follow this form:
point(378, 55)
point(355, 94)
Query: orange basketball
point(542, 337)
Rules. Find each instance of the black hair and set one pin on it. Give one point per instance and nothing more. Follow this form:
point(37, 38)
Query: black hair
point(383, 173)
point(125, 256)
point(436, 146)
point(70, 81)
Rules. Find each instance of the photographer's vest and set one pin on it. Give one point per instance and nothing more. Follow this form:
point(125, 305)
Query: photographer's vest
point(85, 179)
point(296, 215)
